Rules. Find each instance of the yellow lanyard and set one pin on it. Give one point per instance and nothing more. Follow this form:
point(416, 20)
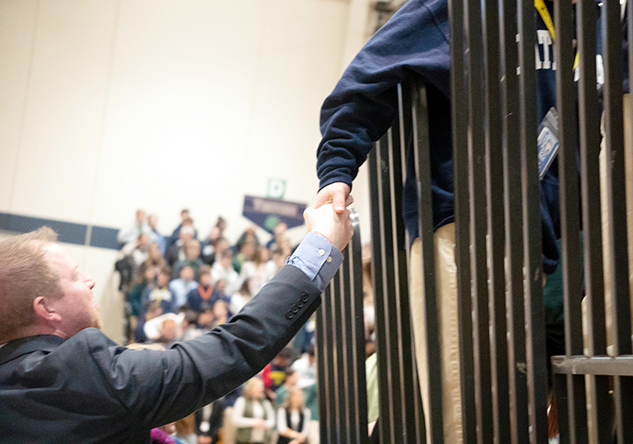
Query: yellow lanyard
point(547, 19)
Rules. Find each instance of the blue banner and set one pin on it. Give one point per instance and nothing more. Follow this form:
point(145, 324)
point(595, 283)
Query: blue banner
point(267, 212)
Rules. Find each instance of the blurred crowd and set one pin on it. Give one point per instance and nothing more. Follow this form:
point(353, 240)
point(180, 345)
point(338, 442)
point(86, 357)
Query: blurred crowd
point(178, 287)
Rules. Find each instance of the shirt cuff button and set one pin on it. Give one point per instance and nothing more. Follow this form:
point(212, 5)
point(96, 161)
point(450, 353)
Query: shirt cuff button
point(329, 259)
point(321, 252)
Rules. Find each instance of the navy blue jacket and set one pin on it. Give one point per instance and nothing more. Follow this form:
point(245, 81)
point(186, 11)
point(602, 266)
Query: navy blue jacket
point(89, 390)
point(415, 41)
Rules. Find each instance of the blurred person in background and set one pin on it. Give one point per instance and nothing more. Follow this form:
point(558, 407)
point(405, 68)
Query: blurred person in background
point(182, 286)
point(274, 373)
point(245, 254)
point(293, 419)
point(190, 328)
point(253, 414)
point(159, 292)
point(305, 368)
point(223, 270)
point(185, 220)
point(248, 236)
point(280, 230)
point(209, 422)
point(277, 261)
point(192, 259)
point(311, 393)
point(206, 318)
point(220, 313)
point(151, 311)
point(152, 222)
point(177, 252)
point(134, 300)
point(241, 297)
point(131, 233)
point(256, 270)
point(290, 382)
point(154, 257)
point(138, 252)
point(210, 253)
point(204, 291)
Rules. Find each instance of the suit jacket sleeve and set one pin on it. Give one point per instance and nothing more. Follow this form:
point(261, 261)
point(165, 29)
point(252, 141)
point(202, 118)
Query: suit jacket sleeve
point(160, 387)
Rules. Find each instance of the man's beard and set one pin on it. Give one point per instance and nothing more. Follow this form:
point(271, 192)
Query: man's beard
point(95, 320)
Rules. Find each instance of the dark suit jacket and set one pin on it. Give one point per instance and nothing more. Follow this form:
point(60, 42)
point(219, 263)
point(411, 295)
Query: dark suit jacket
point(87, 389)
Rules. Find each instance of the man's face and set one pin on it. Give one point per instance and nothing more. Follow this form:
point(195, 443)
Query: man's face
point(186, 274)
point(221, 286)
point(220, 310)
point(193, 251)
point(163, 279)
point(152, 221)
point(205, 279)
point(140, 216)
point(77, 307)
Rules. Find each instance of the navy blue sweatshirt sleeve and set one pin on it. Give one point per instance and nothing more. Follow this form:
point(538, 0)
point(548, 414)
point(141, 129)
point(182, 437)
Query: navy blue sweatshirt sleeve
point(364, 103)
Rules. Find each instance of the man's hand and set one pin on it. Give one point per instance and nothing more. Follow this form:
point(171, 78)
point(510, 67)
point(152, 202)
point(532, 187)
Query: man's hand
point(335, 227)
point(337, 194)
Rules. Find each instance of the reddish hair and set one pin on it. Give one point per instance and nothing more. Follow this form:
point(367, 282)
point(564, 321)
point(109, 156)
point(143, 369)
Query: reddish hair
point(25, 275)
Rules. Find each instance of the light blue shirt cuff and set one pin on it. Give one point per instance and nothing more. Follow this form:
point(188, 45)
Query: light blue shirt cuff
point(317, 258)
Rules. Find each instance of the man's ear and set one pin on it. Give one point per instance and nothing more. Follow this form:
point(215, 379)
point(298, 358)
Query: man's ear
point(44, 310)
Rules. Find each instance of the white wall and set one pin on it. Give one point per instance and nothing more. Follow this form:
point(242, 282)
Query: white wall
point(110, 105)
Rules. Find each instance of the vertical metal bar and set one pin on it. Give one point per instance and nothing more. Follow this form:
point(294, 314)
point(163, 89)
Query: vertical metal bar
point(408, 140)
point(568, 174)
point(330, 372)
point(519, 416)
point(390, 284)
point(338, 412)
point(496, 230)
point(532, 240)
point(384, 386)
point(589, 134)
point(459, 123)
point(343, 347)
point(478, 229)
point(421, 150)
point(322, 375)
point(618, 244)
point(402, 276)
point(560, 385)
point(356, 319)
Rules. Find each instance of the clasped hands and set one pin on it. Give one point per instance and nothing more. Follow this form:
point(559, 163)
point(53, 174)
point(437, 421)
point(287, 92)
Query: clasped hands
point(330, 217)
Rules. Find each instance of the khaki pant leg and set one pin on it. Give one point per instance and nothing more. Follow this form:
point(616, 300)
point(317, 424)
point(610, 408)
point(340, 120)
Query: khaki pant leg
point(628, 163)
point(446, 291)
point(628, 166)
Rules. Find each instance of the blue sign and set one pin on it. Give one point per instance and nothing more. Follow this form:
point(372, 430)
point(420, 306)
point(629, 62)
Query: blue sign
point(267, 212)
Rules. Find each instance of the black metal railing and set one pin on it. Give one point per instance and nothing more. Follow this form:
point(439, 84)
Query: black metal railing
point(498, 251)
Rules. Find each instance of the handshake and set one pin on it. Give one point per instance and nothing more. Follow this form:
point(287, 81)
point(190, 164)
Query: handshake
point(335, 226)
